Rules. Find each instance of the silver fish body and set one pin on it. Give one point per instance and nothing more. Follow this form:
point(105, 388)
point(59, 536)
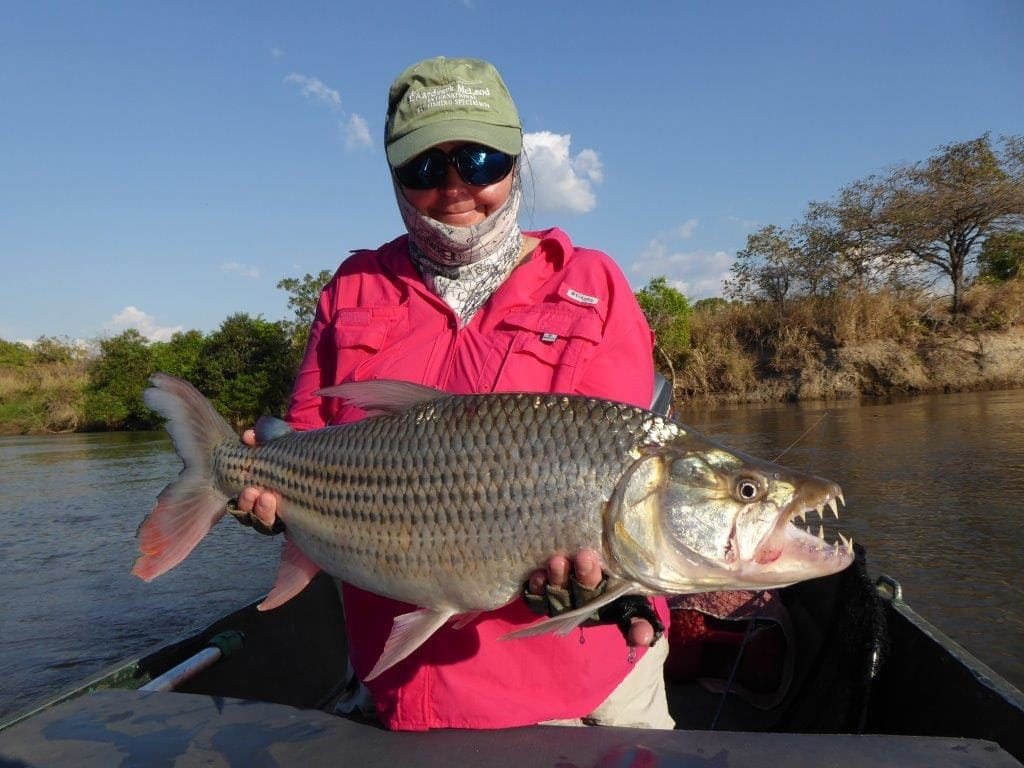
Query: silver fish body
point(452, 502)
point(448, 502)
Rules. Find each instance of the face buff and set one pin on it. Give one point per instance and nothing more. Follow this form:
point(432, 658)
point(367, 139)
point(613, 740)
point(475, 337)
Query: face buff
point(465, 265)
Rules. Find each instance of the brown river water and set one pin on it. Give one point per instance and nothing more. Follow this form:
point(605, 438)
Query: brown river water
point(932, 484)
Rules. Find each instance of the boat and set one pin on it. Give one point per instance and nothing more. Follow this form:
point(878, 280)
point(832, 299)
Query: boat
point(872, 684)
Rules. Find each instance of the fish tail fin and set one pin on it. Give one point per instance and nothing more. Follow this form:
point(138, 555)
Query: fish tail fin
point(187, 508)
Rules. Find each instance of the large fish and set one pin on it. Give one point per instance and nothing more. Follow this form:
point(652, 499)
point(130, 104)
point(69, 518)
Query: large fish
point(448, 502)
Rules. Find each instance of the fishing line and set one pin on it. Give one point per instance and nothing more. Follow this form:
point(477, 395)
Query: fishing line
point(735, 669)
point(802, 436)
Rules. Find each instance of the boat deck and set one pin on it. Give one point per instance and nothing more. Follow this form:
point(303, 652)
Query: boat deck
point(133, 728)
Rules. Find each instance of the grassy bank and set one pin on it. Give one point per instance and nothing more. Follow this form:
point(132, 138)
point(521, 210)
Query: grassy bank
point(855, 344)
point(41, 397)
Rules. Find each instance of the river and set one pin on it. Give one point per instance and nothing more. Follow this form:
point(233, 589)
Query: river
point(932, 487)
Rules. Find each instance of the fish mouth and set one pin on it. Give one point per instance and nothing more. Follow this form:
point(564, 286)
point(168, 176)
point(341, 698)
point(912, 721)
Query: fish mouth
point(791, 548)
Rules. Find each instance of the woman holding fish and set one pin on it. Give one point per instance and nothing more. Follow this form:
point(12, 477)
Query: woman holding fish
point(466, 302)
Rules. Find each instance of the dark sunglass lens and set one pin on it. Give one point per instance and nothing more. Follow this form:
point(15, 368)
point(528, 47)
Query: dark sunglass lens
point(425, 171)
point(481, 166)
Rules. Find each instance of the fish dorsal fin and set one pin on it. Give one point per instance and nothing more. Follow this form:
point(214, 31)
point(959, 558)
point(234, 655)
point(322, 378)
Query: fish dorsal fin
point(269, 427)
point(382, 395)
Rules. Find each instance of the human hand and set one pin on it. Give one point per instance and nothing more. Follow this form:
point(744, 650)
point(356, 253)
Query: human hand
point(258, 507)
point(586, 571)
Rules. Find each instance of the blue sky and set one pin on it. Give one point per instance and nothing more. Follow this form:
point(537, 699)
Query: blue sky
point(163, 165)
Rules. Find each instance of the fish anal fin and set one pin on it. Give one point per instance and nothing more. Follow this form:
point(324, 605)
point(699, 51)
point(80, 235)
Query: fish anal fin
point(293, 574)
point(564, 623)
point(409, 632)
point(382, 395)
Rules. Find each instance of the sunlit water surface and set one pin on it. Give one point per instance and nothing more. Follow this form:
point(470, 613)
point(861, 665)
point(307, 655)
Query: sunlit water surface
point(933, 488)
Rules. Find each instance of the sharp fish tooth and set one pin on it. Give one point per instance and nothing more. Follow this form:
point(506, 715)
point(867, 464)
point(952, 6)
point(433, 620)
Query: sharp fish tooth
point(821, 533)
point(818, 510)
point(834, 507)
point(801, 516)
point(846, 542)
point(841, 501)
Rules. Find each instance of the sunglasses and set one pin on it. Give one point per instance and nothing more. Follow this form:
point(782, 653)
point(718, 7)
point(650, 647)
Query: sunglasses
point(477, 165)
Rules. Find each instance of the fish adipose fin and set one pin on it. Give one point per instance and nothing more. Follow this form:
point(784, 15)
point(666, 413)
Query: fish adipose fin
point(187, 508)
point(564, 623)
point(382, 395)
point(293, 574)
point(409, 632)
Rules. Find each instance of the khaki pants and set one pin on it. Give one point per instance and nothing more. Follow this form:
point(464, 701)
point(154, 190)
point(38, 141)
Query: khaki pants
point(639, 701)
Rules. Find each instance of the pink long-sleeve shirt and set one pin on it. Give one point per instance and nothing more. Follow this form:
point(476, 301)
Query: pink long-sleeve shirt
point(564, 321)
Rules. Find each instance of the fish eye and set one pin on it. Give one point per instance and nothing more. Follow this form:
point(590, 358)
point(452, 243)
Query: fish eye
point(748, 488)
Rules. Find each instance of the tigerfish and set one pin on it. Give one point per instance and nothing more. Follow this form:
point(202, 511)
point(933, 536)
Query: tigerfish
point(449, 502)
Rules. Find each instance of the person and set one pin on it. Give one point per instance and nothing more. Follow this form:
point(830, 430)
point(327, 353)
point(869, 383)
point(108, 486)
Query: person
point(468, 303)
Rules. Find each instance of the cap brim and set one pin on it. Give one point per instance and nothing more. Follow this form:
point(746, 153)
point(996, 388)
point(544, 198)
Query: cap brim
point(506, 138)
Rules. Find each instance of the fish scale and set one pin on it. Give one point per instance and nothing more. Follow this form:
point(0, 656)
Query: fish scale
point(453, 488)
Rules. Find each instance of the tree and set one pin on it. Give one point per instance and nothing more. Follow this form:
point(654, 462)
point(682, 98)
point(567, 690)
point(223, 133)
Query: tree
point(113, 395)
point(15, 353)
point(52, 349)
point(668, 313)
point(179, 356)
point(1002, 256)
point(246, 368)
point(303, 295)
point(937, 213)
point(767, 268)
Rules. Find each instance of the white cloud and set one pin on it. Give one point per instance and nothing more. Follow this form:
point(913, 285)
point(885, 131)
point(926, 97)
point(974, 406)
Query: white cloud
point(559, 181)
point(312, 88)
point(745, 225)
point(133, 317)
point(277, 52)
point(234, 267)
point(697, 273)
point(685, 230)
point(357, 133)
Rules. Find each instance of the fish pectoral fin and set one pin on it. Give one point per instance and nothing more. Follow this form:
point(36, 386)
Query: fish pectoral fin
point(270, 428)
point(565, 623)
point(408, 633)
point(465, 619)
point(293, 574)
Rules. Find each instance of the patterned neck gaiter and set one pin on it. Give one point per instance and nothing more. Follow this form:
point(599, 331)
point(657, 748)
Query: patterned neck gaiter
point(465, 265)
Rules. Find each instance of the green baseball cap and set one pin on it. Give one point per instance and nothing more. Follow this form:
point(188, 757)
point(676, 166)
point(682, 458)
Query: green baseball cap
point(440, 100)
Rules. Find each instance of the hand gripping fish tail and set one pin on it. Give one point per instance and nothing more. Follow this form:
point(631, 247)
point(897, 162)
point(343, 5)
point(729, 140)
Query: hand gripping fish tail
point(433, 489)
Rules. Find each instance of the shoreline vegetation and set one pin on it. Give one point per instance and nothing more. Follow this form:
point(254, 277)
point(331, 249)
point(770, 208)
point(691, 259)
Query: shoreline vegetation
point(853, 345)
point(908, 281)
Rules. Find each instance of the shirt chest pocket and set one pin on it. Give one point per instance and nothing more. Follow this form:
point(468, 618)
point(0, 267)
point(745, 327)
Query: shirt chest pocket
point(545, 348)
point(362, 335)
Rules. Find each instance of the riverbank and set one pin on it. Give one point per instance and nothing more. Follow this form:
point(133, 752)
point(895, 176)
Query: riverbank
point(848, 345)
point(953, 362)
point(853, 344)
